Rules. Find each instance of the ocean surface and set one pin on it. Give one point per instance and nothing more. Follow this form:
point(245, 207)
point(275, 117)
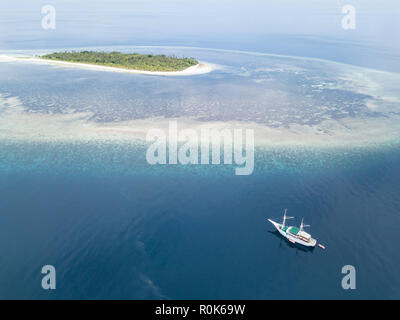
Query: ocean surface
point(116, 227)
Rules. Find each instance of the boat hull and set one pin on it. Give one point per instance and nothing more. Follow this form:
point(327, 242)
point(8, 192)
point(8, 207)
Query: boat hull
point(292, 238)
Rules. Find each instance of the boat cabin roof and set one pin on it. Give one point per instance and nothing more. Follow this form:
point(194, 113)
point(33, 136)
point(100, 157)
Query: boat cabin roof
point(304, 234)
point(296, 231)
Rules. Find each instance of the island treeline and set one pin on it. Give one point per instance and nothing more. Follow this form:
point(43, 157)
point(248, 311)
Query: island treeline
point(147, 62)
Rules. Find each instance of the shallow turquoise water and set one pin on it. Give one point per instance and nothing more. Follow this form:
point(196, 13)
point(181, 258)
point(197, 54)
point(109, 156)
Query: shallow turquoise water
point(116, 228)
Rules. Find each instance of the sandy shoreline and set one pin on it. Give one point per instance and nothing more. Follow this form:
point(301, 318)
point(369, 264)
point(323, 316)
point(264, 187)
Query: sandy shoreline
point(18, 124)
point(200, 68)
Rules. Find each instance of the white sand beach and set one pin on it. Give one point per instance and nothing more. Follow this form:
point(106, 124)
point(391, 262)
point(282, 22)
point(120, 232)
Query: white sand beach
point(200, 68)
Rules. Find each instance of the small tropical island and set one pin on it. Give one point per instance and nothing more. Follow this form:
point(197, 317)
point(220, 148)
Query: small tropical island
point(131, 61)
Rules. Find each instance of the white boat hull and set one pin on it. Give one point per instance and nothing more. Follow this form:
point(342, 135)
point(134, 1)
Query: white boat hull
point(293, 238)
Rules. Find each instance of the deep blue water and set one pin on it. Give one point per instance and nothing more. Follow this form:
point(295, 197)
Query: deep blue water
point(116, 228)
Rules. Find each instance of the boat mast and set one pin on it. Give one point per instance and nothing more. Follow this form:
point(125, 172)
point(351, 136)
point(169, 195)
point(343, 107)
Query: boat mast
point(284, 218)
point(303, 225)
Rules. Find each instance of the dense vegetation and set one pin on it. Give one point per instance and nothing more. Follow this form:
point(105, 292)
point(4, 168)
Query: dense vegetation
point(136, 61)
